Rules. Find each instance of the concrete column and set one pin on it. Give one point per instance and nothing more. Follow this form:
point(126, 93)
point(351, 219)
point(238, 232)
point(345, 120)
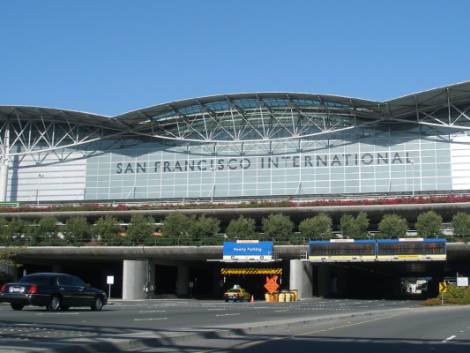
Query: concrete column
point(301, 278)
point(136, 275)
point(3, 181)
point(323, 280)
point(182, 281)
point(4, 165)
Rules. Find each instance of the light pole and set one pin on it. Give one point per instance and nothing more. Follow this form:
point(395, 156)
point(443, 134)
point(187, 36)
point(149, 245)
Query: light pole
point(213, 183)
point(40, 176)
point(413, 177)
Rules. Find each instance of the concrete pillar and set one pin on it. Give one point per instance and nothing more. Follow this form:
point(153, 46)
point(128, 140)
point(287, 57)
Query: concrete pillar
point(137, 275)
point(323, 280)
point(301, 278)
point(3, 181)
point(4, 165)
point(182, 281)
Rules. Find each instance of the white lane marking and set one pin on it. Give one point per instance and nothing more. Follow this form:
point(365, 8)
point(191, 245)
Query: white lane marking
point(449, 338)
point(152, 319)
point(216, 309)
point(232, 314)
point(42, 314)
point(151, 311)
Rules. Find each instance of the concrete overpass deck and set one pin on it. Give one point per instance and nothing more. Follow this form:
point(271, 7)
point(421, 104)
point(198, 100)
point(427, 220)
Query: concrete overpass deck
point(375, 212)
point(138, 266)
point(455, 251)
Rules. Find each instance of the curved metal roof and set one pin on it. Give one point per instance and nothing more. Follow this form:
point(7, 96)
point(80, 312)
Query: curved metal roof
point(186, 119)
point(247, 100)
point(431, 97)
point(15, 112)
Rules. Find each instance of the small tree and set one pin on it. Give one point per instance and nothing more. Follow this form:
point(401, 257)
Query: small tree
point(347, 225)
point(45, 232)
point(141, 229)
point(357, 227)
point(362, 225)
point(241, 228)
point(76, 231)
point(177, 226)
point(429, 224)
point(15, 232)
point(277, 227)
point(106, 230)
point(318, 227)
point(461, 225)
point(393, 226)
point(4, 236)
point(203, 228)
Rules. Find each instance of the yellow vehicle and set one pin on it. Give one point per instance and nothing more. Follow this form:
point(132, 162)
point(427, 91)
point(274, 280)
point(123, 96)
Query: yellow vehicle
point(237, 294)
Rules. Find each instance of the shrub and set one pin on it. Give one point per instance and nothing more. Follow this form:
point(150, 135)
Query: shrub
point(393, 226)
point(203, 228)
point(457, 295)
point(76, 231)
point(277, 227)
point(461, 225)
point(429, 224)
point(241, 228)
point(318, 227)
point(106, 230)
point(140, 229)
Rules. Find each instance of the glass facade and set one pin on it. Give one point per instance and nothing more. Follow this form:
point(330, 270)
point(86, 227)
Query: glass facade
point(372, 161)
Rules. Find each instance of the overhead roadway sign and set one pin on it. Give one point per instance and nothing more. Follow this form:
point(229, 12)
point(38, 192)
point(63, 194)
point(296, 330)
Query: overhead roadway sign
point(250, 271)
point(248, 251)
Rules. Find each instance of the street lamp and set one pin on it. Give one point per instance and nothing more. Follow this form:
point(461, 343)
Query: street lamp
point(40, 176)
point(212, 168)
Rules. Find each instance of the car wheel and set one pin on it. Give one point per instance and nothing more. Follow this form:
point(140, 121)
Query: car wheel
point(54, 304)
point(17, 306)
point(64, 307)
point(98, 304)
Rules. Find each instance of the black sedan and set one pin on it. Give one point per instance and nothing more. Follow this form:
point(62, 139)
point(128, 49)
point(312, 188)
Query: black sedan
point(55, 291)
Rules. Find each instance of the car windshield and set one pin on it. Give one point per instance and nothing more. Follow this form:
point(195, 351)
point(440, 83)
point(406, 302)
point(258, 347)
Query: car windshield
point(36, 279)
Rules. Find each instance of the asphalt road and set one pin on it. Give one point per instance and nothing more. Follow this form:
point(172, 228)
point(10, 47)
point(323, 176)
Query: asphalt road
point(199, 326)
point(422, 330)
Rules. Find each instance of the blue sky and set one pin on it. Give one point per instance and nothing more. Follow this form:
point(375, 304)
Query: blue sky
point(109, 57)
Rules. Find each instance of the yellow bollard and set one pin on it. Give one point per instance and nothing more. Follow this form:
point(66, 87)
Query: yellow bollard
point(295, 295)
point(288, 297)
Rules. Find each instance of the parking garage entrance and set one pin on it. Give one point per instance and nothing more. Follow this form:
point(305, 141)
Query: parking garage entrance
point(253, 277)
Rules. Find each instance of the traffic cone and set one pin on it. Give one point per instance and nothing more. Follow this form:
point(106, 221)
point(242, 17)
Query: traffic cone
point(252, 299)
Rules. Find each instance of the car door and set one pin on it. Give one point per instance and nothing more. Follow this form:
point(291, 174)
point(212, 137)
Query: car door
point(66, 290)
point(83, 295)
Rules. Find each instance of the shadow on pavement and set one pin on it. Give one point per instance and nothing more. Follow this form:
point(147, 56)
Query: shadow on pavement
point(356, 345)
point(69, 338)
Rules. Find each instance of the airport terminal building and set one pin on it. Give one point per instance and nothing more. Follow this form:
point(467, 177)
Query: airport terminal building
point(240, 146)
point(253, 145)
